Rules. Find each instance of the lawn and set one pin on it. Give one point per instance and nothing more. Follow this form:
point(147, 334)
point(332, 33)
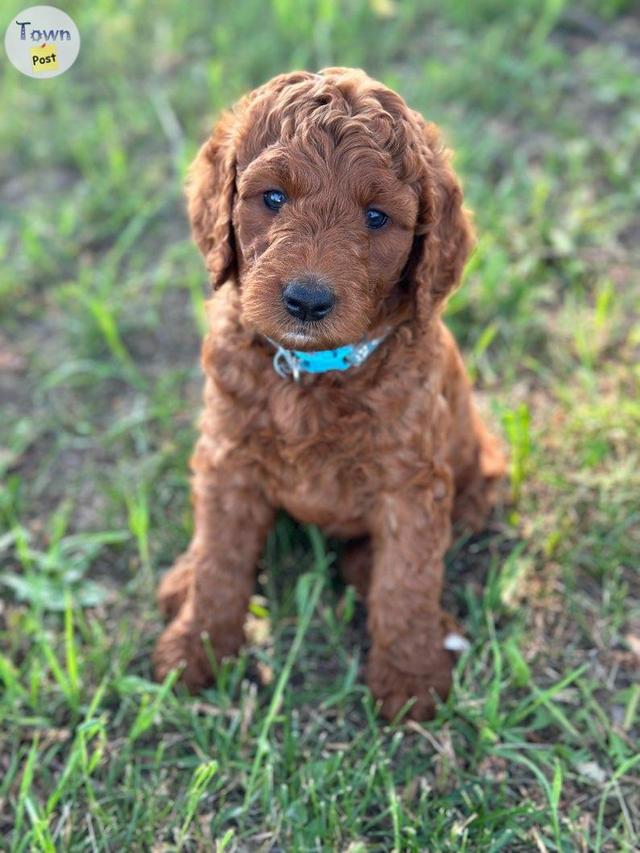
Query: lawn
point(101, 303)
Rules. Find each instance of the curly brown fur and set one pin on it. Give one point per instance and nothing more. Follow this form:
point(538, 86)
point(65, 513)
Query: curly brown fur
point(387, 453)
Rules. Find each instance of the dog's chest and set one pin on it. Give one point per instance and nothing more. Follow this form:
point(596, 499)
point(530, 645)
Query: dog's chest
point(320, 486)
point(329, 455)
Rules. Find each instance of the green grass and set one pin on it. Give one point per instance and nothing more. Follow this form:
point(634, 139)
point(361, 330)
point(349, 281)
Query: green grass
point(101, 299)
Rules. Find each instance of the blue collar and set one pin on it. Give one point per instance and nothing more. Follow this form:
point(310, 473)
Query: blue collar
point(291, 362)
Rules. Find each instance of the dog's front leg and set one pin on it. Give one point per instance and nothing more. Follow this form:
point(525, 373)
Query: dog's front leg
point(215, 577)
point(410, 534)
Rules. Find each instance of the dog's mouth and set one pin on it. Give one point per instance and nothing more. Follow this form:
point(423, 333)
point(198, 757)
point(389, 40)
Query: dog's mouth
point(313, 336)
point(306, 337)
point(296, 340)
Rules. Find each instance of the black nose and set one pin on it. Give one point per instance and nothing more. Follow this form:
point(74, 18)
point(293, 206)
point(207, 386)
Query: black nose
point(307, 299)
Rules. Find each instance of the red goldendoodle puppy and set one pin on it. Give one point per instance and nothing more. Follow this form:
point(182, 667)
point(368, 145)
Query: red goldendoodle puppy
point(332, 227)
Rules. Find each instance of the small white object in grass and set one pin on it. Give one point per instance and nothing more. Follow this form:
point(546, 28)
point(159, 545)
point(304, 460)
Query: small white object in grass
point(456, 643)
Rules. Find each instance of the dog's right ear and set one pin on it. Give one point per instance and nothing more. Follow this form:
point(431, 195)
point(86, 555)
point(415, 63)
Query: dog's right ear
point(210, 193)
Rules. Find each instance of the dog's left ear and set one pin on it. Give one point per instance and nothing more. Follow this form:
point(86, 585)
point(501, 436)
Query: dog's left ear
point(444, 234)
point(210, 195)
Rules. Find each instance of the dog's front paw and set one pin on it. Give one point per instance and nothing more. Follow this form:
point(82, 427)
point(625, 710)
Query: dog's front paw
point(394, 688)
point(181, 647)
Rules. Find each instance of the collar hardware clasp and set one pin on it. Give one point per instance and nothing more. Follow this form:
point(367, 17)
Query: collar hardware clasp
point(285, 362)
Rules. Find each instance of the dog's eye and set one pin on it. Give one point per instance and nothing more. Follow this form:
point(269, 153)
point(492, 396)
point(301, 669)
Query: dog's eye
point(274, 199)
point(375, 218)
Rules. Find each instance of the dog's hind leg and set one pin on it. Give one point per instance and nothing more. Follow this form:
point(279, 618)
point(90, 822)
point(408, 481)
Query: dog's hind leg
point(477, 483)
point(174, 586)
point(355, 565)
